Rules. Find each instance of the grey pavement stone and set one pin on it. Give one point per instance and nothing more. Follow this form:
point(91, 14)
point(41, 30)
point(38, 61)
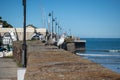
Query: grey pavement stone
point(8, 69)
point(8, 72)
point(5, 79)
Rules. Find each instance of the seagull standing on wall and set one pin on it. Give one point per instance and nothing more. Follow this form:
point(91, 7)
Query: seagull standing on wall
point(51, 39)
point(61, 40)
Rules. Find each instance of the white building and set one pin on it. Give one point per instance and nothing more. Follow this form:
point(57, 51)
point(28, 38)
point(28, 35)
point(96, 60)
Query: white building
point(19, 31)
point(1, 25)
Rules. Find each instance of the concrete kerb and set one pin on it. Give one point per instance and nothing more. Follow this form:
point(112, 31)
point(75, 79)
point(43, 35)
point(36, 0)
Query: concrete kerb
point(21, 73)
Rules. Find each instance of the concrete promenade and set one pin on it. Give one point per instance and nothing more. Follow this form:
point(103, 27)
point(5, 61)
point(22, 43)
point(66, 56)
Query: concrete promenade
point(50, 63)
point(8, 69)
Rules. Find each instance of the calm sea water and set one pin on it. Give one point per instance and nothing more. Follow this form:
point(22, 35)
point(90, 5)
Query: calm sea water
point(105, 51)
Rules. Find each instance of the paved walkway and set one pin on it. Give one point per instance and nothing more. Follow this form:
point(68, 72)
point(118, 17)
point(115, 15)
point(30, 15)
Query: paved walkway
point(8, 69)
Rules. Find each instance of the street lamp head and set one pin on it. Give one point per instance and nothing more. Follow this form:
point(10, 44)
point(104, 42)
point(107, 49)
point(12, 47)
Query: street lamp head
point(24, 2)
point(49, 14)
point(53, 19)
point(58, 26)
point(56, 23)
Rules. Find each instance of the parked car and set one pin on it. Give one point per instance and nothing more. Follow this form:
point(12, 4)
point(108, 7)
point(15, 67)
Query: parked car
point(2, 51)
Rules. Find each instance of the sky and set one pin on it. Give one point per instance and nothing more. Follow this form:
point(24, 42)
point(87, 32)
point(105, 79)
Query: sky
point(83, 18)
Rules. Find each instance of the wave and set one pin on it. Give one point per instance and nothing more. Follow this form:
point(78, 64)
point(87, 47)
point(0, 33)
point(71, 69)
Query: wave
point(114, 51)
point(99, 55)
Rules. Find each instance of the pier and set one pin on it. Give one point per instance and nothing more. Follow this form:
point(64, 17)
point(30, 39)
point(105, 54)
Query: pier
point(76, 45)
point(51, 63)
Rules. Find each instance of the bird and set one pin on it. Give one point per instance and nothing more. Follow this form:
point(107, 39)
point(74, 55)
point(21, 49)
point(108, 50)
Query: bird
point(51, 39)
point(61, 40)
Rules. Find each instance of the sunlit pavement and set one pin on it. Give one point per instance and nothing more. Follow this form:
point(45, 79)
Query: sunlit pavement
point(8, 69)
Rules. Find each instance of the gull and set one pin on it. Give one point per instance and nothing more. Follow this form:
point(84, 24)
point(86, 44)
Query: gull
point(51, 39)
point(61, 40)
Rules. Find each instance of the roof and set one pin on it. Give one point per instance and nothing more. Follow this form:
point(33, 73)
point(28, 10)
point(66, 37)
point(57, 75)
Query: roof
point(31, 26)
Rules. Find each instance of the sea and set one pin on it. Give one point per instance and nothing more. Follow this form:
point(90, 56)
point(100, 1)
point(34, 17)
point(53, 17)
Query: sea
point(104, 51)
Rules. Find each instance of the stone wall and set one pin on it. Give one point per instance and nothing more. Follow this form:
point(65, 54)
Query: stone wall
point(50, 63)
point(17, 49)
point(36, 46)
point(75, 46)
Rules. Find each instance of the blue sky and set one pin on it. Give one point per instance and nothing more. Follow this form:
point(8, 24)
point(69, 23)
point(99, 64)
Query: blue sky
point(85, 18)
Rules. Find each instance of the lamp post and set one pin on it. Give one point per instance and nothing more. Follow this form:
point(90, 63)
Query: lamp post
point(51, 14)
point(58, 31)
point(56, 25)
point(24, 54)
point(52, 23)
point(70, 32)
point(49, 29)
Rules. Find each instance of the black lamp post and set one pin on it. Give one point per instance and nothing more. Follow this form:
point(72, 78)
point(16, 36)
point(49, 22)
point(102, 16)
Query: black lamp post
point(52, 22)
point(24, 54)
point(49, 29)
point(56, 25)
point(58, 31)
point(51, 14)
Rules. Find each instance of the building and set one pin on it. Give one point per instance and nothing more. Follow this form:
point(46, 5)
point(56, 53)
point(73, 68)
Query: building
point(19, 31)
point(7, 39)
point(1, 24)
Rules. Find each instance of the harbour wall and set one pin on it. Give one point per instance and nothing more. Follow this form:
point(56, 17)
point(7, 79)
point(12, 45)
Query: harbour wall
point(51, 63)
point(35, 46)
point(75, 46)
